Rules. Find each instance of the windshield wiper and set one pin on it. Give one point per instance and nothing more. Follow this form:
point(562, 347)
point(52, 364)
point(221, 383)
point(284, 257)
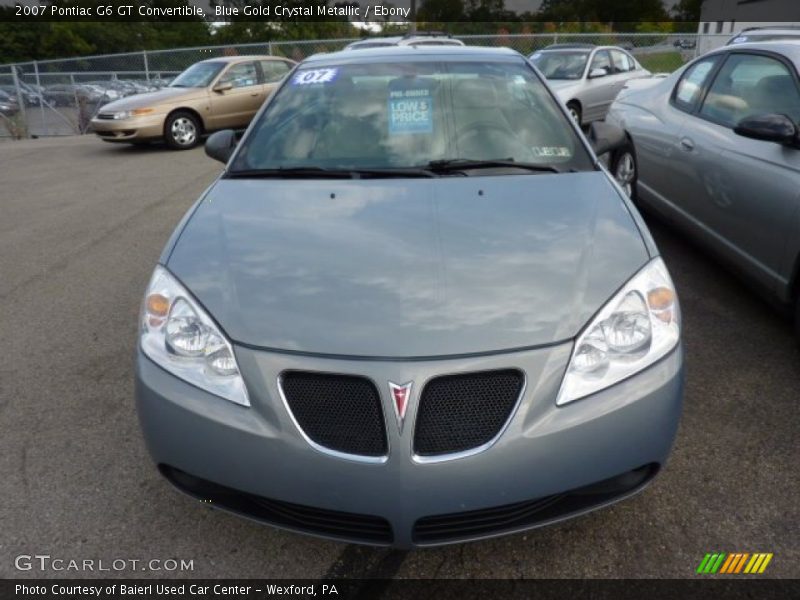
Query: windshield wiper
point(465, 164)
point(324, 173)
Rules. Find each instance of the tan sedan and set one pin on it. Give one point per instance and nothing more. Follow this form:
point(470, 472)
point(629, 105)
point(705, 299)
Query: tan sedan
point(219, 93)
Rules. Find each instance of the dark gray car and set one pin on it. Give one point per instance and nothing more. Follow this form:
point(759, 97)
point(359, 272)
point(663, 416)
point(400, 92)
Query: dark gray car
point(413, 310)
point(716, 147)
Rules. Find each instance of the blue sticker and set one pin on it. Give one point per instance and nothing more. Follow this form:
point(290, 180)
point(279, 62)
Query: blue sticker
point(314, 76)
point(410, 111)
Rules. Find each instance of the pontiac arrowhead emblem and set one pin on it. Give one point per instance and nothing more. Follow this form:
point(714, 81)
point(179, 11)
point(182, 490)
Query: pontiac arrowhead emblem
point(400, 396)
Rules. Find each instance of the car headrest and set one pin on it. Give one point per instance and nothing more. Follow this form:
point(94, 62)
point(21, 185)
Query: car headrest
point(777, 84)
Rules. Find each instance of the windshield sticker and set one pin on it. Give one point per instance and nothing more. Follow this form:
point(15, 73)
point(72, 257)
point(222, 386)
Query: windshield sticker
point(410, 111)
point(551, 151)
point(315, 76)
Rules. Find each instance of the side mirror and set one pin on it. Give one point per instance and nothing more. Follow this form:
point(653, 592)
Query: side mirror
point(223, 87)
point(770, 128)
point(605, 137)
point(599, 72)
point(220, 145)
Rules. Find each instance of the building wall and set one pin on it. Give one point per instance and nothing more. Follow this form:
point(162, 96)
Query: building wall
point(721, 19)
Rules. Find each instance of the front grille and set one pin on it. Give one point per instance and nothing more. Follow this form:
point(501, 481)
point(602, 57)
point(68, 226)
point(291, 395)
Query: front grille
point(462, 412)
point(367, 529)
point(339, 412)
point(106, 116)
point(524, 515)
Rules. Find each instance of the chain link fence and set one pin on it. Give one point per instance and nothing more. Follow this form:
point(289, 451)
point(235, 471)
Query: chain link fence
point(60, 97)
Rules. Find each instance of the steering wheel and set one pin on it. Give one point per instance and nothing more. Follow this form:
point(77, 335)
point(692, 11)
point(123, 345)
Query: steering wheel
point(479, 134)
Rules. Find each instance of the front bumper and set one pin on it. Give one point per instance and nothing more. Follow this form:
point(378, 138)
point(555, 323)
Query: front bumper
point(148, 127)
point(255, 462)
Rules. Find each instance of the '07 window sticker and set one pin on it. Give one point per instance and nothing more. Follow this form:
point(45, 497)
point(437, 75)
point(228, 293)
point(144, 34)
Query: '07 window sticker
point(313, 76)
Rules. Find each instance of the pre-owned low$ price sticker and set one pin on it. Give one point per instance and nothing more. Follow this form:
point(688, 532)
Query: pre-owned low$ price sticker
point(410, 111)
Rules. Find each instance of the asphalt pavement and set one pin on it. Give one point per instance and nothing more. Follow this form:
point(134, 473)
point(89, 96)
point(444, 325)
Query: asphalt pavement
point(81, 226)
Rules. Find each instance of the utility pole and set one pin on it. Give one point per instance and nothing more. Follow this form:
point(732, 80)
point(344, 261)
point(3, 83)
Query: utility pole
point(413, 25)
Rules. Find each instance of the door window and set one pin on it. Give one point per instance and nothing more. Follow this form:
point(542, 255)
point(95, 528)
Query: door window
point(749, 85)
point(687, 92)
point(241, 75)
point(601, 61)
point(622, 62)
point(274, 70)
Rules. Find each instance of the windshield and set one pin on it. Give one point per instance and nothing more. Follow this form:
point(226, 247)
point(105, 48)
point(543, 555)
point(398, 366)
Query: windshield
point(561, 64)
point(393, 115)
point(198, 75)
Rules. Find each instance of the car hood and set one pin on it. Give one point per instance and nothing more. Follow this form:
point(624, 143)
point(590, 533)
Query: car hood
point(150, 99)
point(411, 267)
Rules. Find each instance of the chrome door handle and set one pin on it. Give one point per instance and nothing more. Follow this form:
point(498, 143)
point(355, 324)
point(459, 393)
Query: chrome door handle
point(687, 144)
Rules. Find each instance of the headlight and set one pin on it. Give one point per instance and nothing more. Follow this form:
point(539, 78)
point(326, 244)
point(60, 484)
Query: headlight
point(179, 336)
point(638, 326)
point(137, 112)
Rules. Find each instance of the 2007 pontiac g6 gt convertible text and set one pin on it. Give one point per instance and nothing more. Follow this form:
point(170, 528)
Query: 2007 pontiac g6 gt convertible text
point(413, 310)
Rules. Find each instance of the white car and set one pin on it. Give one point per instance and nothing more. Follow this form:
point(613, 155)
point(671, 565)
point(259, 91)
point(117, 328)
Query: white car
point(586, 77)
point(420, 38)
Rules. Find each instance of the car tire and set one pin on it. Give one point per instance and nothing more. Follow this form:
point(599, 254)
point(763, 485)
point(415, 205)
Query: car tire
point(182, 130)
point(625, 170)
point(575, 112)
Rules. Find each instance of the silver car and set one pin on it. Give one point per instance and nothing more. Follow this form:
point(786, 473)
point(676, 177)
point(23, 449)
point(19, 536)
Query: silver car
point(765, 34)
point(587, 78)
point(419, 38)
point(715, 147)
point(413, 310)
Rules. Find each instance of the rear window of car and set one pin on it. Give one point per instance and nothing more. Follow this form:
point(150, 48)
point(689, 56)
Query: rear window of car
point(690, 86)
point(406, 114)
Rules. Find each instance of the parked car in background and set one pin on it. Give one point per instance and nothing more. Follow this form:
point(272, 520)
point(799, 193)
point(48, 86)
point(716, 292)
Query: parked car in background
point(587, 78)
point(765, 34)
point(715, 147)
point(414, 285)
point(29, 95)
point(8, 104)
point(419, 38)
point(685, 43)
point(213, 94)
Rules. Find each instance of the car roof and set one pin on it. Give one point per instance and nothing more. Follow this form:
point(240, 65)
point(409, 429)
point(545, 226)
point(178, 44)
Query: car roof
point(557, 47)
point(772, 29)
point(389, 39)
point(410, 51)
point(230, 59)
point(569, 47)
point(789, 48)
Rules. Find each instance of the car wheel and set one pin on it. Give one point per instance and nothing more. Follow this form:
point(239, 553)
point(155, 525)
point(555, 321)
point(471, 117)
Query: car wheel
point(575, 111)
point(625, 170)
point(182, 130)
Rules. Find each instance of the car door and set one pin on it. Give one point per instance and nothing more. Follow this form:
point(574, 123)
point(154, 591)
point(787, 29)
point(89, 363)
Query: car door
point(601, 90)
point(741, 194)
point(664, 172)
point(234, 107)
